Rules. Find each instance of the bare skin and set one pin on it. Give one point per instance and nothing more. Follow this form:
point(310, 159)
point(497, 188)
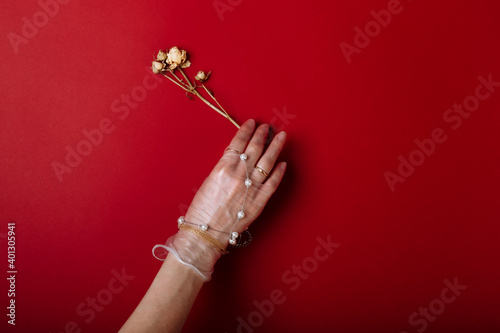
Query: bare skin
point(172, 293)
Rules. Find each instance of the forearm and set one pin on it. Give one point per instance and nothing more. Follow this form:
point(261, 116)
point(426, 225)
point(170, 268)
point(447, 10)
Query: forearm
point(168, 301)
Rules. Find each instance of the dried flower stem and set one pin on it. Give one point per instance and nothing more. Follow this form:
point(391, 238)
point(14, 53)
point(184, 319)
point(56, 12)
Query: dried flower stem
point(177, 59)
point(216, 101)
point(188, 81)
point(171, 71)
point(192, 89)
point(208, 92)
point(223, 113)
point(177, 83)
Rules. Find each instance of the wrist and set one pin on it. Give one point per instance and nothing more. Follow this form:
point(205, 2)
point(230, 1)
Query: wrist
point(191, 251)
point(215, 228)
point(173, 266)
point(203, 236)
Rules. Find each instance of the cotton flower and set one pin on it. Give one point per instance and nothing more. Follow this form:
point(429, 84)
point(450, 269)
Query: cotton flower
point(176, 57)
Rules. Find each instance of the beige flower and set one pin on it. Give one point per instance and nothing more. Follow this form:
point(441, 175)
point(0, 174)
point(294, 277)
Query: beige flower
point(176, 57)
point(161, 56)
point(157, 66)
point(201, 76)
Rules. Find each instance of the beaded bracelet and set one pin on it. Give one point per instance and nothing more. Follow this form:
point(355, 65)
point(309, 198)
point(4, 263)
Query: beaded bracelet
point(233, 236)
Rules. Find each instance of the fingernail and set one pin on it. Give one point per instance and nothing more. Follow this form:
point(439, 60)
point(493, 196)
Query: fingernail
point(282, 135)
point(283, 166)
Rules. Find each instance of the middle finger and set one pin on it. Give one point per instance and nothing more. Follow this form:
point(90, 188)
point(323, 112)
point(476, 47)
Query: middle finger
point(256, 146)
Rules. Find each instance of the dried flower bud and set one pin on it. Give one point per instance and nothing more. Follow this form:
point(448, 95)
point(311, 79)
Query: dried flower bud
point(176, 57)
point(161, 56)
point(202, 77)
point(157, 67)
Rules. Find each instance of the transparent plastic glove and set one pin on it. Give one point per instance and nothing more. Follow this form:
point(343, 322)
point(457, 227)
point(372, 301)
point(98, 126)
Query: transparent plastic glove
point(190, 250)
point(224, 193)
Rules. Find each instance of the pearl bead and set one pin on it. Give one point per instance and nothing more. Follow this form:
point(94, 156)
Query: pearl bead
point(180, 221)
point(204, 227)
point(248, 183)
point(241, 214)
point(234, 234)
point(232, 241)
point(243, 157)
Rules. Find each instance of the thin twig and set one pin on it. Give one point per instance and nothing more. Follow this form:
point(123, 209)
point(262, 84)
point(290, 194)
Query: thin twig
point(209, 104)
point(177, 83)
point(178, 79)
point(188, 81)
point(192, 89)
point(216, 101)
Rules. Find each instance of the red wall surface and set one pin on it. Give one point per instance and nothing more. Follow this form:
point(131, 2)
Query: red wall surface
point(387, 218)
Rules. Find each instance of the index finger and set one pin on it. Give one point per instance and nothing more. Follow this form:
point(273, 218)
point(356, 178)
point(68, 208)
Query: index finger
point(241, 138)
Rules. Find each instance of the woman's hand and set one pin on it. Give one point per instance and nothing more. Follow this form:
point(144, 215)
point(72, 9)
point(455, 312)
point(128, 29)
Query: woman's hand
point(166, 305)
point(223, 193)
point(229, 200)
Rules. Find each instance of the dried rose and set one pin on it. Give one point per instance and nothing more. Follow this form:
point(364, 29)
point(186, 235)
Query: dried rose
point(176, 57)
point(157, 66)
point(166, 62)
point(161, 56)
point(201, 76)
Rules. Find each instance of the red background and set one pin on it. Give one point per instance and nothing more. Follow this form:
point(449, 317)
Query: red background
point(347, 124)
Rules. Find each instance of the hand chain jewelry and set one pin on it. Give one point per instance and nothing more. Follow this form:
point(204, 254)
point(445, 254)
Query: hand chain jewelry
point(233, 235)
